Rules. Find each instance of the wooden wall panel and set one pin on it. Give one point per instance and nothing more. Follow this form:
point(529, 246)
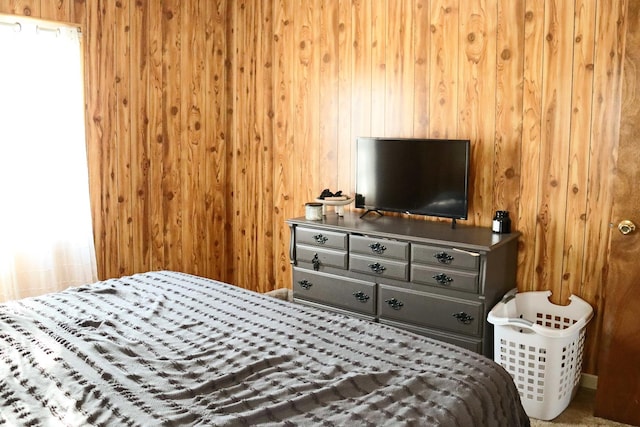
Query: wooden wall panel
point(399, 82)
point(345, 142)
point(242, 197)
point(477, 101)
point(422, 66)
point(265, 140)
point(284, 204)
point(193, 112)
point(102, 148)
point(211, 122)
point(252, 154)
point(313, 89)
point(378, 67)
point(217, 134)
point(173, 146)
point(24, 7)
point(155, 103)
point(578, 160)
point(139, 74)
point(527, 215)
point(328, 61)
point(361, 71)
point(554, 148)
point(125, 198)
point(508, 131)
point(56, 10)
point(444, 74)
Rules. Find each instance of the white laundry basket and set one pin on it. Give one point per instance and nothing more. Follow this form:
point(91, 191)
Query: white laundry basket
point(541, 344)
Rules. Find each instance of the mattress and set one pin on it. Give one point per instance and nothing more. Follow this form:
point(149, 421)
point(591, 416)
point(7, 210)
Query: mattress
point(168, 348)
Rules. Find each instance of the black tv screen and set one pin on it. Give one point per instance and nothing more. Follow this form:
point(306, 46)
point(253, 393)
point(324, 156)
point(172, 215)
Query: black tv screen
point(416, 176)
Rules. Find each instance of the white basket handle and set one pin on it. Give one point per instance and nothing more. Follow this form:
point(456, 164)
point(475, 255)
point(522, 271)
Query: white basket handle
point(509, 296)
point(498, 316)
point(511, 321)
point(519, 322)
point(539, 329)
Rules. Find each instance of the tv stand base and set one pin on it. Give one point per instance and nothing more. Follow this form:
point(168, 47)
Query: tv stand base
point(368, 211)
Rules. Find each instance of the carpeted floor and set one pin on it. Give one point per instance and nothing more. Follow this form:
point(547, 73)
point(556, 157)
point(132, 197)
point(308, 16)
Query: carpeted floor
point(579, 413)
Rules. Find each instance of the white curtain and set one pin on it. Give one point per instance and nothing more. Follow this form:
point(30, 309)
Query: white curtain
point(46, 236)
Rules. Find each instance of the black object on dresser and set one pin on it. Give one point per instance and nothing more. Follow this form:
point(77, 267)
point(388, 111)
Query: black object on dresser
point(423, 276)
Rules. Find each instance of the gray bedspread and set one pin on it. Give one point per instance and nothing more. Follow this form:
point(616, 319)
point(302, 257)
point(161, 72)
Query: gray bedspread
point(166, 348)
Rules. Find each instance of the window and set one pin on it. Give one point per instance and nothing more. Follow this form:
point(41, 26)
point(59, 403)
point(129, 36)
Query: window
point(46, 235)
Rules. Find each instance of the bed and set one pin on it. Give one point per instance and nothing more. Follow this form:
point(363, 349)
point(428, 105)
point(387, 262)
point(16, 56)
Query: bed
point(168, 348)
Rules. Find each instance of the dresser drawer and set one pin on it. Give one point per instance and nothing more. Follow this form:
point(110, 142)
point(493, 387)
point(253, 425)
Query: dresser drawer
point(323, 257)
point(444, 257)
point(437, 311)
point(379, 267)
point(440, 277)
point(380, 247)
point(321, 238)
point(473, 344)
point(470, 343)
point(350, 294)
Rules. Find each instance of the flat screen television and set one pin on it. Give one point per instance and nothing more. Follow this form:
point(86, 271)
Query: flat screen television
point(416, 176)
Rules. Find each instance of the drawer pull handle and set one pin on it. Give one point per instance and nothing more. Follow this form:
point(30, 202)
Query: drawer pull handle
point(443, 257)
point(377, 268)
point(377, 247)
point(305, 284)
point(320, 239)
point(443, 279)
point(463, 317)
point(361, 296)
point(316, 262)
point(394, 303)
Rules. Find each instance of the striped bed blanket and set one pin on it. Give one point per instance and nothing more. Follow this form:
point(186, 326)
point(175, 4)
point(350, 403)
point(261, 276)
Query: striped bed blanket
point(167, 348)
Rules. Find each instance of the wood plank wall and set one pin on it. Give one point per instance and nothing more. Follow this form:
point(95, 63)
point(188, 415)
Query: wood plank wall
point(211, 122)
